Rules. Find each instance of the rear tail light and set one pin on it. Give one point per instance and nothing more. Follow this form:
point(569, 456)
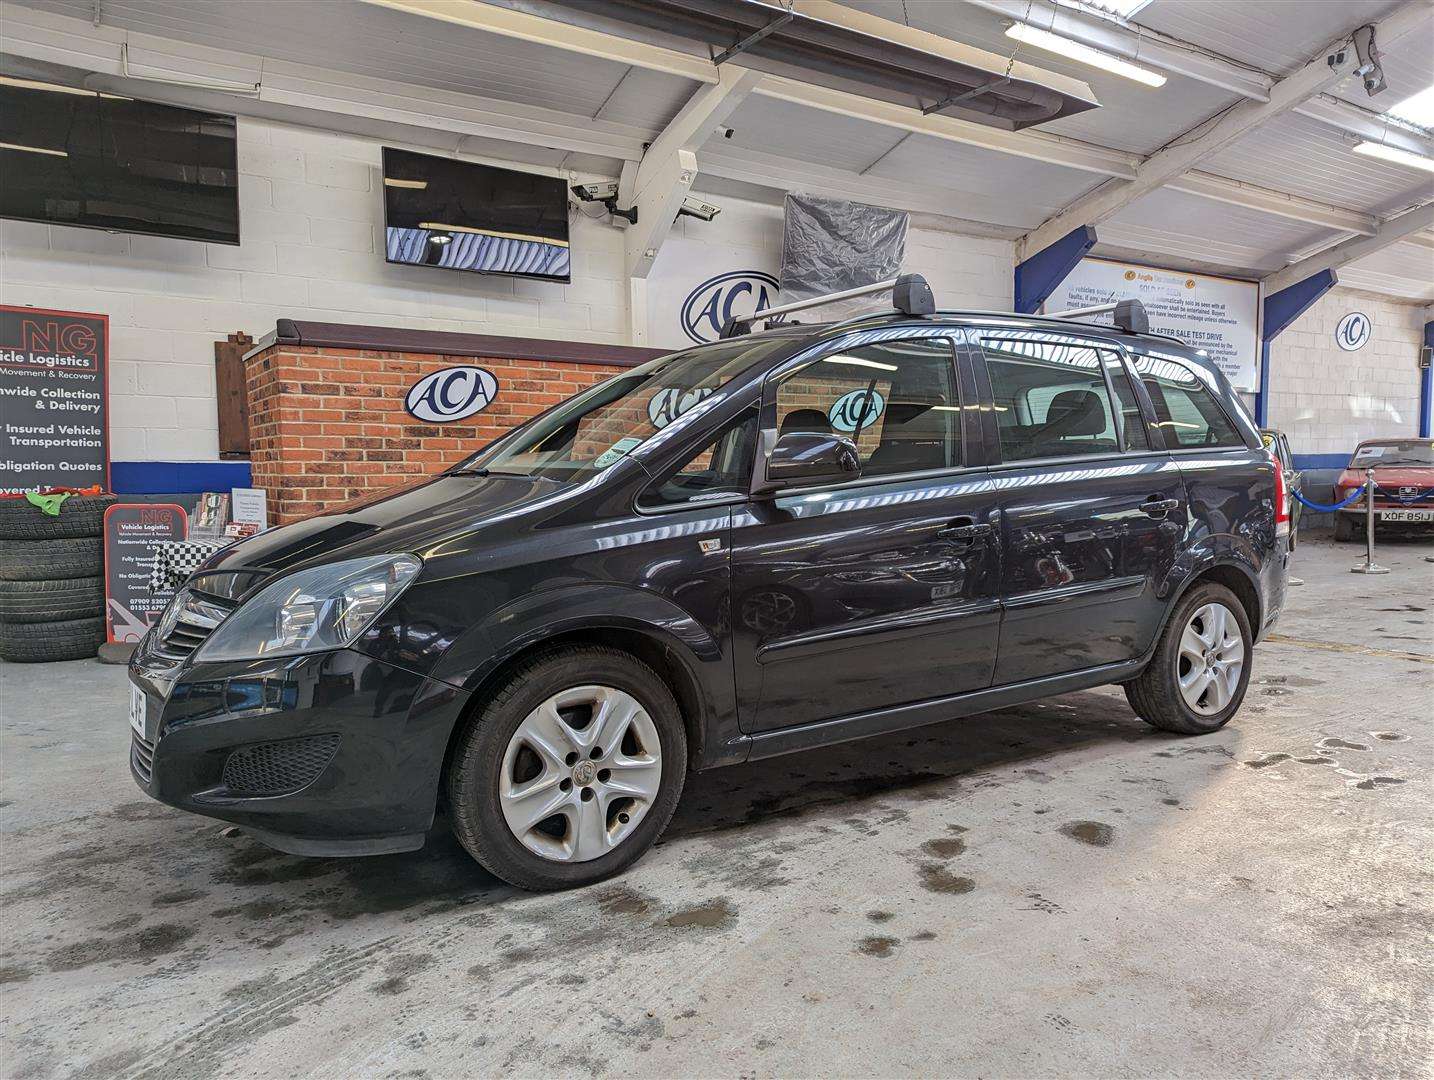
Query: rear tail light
point(1282, 500)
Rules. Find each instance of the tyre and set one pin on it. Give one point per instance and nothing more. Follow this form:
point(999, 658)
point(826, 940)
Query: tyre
point(51, 601)
point(1343, 527)
point(71, 639)
point(80, 515)
point(571, 771)
point(1197, 677)
point(52, 560)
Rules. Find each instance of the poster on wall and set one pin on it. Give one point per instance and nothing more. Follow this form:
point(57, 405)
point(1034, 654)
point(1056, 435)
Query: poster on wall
point(54, 399)
point(695, 287)
point(131, 532)
point(1219, 315)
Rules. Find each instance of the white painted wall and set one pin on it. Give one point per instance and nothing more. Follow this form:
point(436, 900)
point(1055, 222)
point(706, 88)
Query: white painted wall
point(311, 217)
point(1326, 399)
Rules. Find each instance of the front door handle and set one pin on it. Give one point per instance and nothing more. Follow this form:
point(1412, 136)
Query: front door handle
point(1158, 507)
point(967, 529)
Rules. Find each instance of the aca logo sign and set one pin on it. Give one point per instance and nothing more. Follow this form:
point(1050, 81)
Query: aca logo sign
point(451, 394)
point(667, 405)
point(740, 292)
point(857, 409)
point(1353, 331)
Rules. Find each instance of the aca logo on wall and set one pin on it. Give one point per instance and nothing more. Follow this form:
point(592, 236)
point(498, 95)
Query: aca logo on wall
point(739, 292)
point(857, 409)
point(454, 393)
point(1353, 331)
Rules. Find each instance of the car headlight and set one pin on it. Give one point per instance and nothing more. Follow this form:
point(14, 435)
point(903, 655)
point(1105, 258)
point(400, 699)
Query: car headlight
point(326, 607)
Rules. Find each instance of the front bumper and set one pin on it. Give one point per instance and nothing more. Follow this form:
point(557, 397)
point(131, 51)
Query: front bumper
point(328, 754)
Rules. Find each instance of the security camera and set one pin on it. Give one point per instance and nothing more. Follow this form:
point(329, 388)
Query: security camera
point(693, 207)
point(724, 131)
point(596, 192)
point(605, 193)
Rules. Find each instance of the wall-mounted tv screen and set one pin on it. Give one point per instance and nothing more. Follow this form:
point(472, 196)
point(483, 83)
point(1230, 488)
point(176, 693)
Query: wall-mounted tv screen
point(74, 157)
point(464, 216)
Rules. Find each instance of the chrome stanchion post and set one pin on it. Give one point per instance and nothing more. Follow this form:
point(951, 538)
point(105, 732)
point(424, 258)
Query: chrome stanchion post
point(1369, 566)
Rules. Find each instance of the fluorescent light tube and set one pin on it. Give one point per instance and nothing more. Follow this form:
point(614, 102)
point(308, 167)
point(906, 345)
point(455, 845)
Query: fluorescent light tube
point(1074, 50)
point(1396, 155)
point(35, 150)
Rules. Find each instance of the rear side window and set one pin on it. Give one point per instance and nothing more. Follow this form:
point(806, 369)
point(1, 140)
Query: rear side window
point(1051, 398)
point(1184, 408)
point(897, 400)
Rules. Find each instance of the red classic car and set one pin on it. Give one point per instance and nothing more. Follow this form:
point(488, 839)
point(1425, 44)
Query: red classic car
point(1404, 486)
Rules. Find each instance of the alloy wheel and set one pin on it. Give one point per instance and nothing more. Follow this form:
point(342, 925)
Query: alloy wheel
point(1212, 658)
point(580, 773)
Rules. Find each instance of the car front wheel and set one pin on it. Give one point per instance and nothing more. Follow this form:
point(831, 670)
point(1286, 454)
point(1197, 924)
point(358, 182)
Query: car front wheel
point(1197, 677)
point(571, 771)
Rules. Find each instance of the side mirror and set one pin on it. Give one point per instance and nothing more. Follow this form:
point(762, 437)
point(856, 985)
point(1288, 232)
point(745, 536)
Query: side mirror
point(800, 458)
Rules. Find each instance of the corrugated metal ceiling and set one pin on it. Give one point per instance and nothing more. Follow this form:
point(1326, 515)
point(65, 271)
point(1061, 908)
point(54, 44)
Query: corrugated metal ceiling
point(1132, 116)
point(385, 44)
point(1277, 38)
point(1304, 157)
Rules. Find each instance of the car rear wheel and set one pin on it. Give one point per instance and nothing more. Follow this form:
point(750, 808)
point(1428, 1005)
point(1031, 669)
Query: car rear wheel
point(1196, 680)
point(571, 771)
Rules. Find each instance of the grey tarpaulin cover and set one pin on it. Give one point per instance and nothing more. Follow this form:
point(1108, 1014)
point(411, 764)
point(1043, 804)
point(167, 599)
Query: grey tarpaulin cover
point(830, 244)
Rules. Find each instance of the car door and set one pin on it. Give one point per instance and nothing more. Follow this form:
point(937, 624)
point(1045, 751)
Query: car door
point(875, 592)
point(1092, 513)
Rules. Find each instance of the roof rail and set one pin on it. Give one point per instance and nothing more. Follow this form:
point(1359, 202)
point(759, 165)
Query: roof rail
point(910, 295)
point(1129, 315)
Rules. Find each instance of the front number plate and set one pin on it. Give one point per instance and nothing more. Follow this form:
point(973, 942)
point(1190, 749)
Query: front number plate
point(1406, 515)
point(138, 710)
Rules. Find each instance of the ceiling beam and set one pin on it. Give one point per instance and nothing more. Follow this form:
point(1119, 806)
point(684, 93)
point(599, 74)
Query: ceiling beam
point(1140, 46)
point(1275, 203)
point(1333, 64)
point(1391, 231)
point(669, 165)
point(558, 35)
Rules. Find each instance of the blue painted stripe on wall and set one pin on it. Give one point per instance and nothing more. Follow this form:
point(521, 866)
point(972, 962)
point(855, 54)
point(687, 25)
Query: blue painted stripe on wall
point(1321, 461)
point(177, 477)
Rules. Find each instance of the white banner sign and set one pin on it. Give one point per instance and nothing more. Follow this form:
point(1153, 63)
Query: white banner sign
point(1219, 315)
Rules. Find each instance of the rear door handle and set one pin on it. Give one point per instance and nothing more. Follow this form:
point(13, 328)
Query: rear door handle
point(965, 529)
point(1157, 507)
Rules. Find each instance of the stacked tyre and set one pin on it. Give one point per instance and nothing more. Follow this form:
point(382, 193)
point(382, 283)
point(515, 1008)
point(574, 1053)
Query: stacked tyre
point(52, 588)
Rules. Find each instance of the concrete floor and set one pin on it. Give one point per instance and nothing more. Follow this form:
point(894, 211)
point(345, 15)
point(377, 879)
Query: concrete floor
point(1052, 890)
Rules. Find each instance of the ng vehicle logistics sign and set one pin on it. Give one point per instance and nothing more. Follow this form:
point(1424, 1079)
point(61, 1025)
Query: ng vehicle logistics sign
point(54, 399)
point(1219, 315)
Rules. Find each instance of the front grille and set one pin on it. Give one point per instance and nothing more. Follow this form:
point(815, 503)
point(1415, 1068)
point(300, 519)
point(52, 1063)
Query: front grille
point(141, 756)
point(195, 620)
point(278, 768)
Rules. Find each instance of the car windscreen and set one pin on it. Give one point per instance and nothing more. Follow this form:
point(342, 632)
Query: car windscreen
point(602, 425)
point(1402, 454)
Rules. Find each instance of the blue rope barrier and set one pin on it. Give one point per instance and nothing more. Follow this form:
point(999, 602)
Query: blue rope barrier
point(1329, 509)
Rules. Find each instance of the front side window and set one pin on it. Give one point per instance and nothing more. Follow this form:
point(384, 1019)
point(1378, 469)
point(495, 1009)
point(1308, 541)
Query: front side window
point(1184, 407)
point(599, 427)
point(1051, 397)
point(896, 400)
point(720, 469)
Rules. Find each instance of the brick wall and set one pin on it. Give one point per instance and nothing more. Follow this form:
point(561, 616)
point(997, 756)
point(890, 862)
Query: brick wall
point(329, 425)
